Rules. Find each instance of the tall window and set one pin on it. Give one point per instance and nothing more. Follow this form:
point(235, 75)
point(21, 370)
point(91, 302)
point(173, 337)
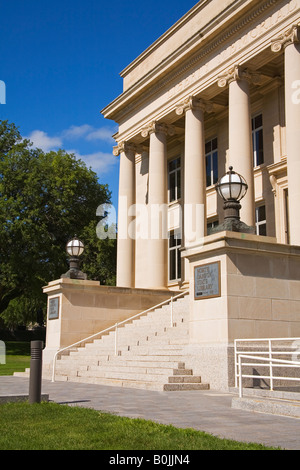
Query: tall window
point(260, 220)
point(174, 255)
point(258, 140)
point(211, 156)
point(174, 173)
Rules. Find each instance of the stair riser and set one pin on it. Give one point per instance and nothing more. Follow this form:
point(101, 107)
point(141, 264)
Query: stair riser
point(150, 355)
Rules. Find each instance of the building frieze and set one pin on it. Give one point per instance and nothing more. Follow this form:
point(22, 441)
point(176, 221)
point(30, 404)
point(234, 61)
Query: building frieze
point(259, 25)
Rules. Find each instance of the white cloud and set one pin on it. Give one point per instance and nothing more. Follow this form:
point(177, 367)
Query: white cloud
point(40, 139)
point(76, 132)
point(100, 134)
point(89, 133)
point(100, 162)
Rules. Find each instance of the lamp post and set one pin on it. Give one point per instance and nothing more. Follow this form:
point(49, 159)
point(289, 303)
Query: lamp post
point(74, 248)
point(232, 187)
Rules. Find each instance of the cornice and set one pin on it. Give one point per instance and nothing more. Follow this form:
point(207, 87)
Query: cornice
point(207, 49)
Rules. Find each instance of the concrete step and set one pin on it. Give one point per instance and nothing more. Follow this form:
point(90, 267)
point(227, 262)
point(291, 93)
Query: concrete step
point(281, 407)
point(150, 355)
point(185, 386)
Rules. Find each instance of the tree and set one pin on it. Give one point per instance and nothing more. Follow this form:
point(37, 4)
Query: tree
point(45, 199)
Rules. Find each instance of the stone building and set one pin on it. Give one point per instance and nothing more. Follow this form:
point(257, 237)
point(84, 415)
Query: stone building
point(220, 89)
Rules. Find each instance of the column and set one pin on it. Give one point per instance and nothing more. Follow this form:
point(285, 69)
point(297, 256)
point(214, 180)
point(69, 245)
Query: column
point(157, 262)
point(290, 43)
point(240, 133)
point(194, 210)
point(125, 243)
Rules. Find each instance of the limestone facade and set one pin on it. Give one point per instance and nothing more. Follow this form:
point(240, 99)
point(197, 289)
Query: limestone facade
point(220, 88)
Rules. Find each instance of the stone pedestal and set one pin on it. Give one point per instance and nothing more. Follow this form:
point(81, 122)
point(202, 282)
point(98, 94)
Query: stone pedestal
point(248, 287)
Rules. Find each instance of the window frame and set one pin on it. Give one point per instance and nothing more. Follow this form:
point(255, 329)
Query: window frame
point(176, 248)
point(177, 187)
point(260, 223)
point(256, 148)
point(212, 155)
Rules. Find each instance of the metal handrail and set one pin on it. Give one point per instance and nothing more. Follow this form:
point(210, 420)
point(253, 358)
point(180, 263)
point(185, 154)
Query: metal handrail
point(269, 351)
point(271, 361)
point(116, 326)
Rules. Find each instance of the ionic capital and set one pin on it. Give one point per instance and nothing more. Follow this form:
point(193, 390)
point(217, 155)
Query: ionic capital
point(193, 103)
point(292, 36)
point(155, 127)
point(237, 73)
point(124, 147)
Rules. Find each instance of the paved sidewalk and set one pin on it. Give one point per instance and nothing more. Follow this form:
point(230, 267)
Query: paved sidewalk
point(207, 411)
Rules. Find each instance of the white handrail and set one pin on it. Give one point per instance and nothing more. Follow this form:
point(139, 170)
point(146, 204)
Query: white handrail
point(116, 326)
point(269, 351)
point(279, 362)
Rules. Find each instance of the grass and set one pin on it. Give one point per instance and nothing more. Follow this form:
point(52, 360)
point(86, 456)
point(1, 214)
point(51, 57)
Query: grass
point(50, 426)
point(17, 357)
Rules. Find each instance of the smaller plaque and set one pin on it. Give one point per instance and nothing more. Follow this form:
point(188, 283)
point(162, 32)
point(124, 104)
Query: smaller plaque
point(53, 308)
point(207, 281)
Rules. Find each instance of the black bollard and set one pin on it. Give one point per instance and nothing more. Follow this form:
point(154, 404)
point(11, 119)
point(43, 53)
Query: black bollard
point(35, 378)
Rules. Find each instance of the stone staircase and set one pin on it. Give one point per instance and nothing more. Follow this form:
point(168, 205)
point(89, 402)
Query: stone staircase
point(150, 355)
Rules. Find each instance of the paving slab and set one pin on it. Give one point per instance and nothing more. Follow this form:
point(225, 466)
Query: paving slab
point(208, 410)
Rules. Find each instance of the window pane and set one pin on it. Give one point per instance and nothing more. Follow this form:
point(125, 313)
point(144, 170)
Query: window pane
point(208, 147)
point(172, 180)
point(260, 147)
point(261, 213)
point(263, 229)
point(258, 121)
point(172, 240)
point(172, 165)
point(178, 185)
point(178, 264)
point(214, 144)
point(172, 264)
point(215, 167)
point(208, 171)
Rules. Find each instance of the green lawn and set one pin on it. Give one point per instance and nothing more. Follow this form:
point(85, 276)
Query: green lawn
point(49, 426)
point(17, 357)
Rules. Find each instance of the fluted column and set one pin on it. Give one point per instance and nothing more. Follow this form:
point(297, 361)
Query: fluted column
point(290, 43)
point(240, 133)
point(194, 210)
point(156, 269)
point(125, 243)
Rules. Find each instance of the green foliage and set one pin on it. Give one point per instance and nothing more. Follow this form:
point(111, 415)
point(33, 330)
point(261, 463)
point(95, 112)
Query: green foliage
point(45, 199)
point(99, 257)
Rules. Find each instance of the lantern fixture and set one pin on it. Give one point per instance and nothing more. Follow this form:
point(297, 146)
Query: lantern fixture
point(74, 248)
point(232, 187)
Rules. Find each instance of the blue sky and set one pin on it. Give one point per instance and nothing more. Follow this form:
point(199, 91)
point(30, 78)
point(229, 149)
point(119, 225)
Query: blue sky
point(60, 62)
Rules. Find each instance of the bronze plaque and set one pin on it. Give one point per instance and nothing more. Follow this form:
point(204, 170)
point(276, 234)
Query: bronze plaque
point(53, 308)
point(207, 281)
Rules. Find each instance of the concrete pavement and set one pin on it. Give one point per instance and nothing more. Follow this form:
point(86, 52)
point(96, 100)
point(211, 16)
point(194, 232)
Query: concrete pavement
point(208, 411)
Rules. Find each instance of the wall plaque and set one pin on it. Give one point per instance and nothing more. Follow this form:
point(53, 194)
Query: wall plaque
point(207, 281)
point(53, 308)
